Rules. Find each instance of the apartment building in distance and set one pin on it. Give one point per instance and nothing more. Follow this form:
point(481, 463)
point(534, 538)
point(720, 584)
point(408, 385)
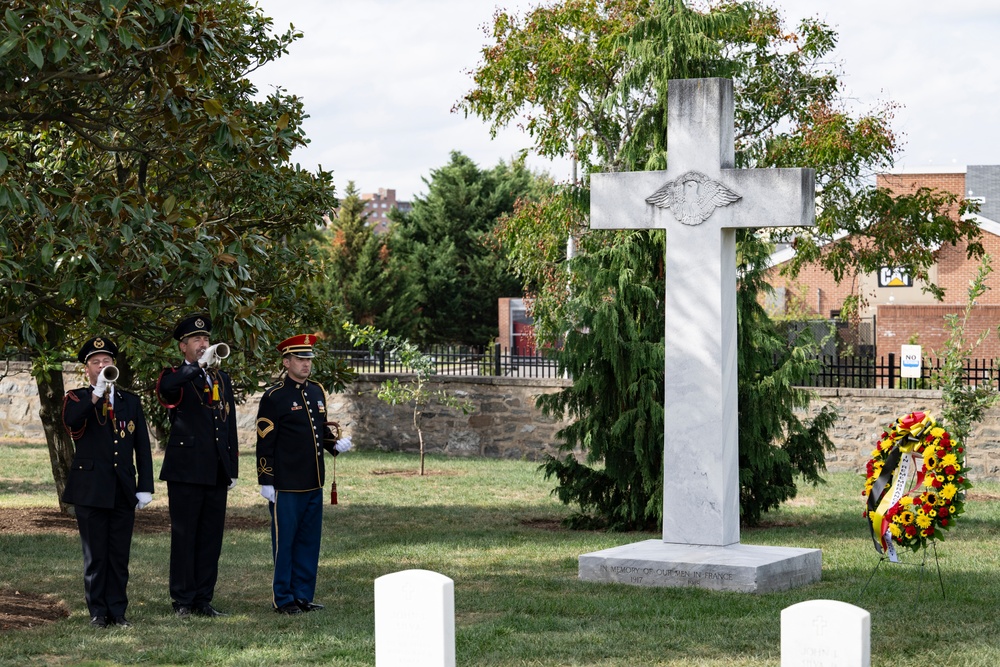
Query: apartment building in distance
point(377, 207)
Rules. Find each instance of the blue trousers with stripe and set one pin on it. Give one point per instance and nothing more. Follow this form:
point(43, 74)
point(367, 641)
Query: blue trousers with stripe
point(296, 529)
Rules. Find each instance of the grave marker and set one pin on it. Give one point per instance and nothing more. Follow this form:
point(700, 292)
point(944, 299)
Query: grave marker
point(414, 620)
point(825, 633)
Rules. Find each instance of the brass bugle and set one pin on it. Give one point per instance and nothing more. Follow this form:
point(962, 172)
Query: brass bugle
point(110, 374)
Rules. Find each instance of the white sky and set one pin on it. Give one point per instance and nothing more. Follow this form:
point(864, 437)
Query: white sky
point(379, 79)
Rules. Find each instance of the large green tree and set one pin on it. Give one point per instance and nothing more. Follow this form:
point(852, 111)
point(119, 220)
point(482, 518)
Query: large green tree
point(589, 79)
point(141, 177)
point(441, 249)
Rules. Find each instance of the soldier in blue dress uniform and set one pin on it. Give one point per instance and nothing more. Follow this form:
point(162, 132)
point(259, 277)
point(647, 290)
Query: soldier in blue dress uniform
point(292, 432)
point(200, 464)
point(111, 476)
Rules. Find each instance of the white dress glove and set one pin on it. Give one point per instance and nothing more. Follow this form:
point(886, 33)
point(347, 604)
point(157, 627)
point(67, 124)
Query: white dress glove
point(232, 485)
point(143, 498)
point(343, 445)
point(100, 386)
point(267, 491)
point(207, 358)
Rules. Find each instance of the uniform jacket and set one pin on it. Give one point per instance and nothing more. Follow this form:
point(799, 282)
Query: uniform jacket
point(111, 447)
point(202, 426)
point(291, 436)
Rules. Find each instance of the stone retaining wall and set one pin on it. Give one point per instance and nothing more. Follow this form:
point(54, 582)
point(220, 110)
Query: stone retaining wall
point(506, 423)
point(866, 413)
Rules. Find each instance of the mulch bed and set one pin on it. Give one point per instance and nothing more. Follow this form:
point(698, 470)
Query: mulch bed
point(21, 609)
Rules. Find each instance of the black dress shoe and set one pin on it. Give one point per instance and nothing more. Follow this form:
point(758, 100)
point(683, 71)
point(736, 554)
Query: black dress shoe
point(182, 610)
point(290, 608)
point(305, 605)
point(208, 610)
point(121, 622)
point(99, 621)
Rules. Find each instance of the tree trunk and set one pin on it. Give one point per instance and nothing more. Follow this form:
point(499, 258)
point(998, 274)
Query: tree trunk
point(50, 396)
point(420, 437)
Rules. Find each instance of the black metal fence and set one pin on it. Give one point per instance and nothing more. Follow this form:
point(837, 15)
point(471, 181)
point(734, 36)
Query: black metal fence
point(883, 373)
point(859, 372)
point(455, 360)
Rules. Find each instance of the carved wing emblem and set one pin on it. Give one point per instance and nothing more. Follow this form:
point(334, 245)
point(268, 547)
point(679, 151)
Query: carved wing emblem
point(692, 197)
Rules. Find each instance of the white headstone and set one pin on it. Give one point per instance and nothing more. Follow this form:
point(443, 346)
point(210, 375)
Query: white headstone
point(825, 633)
point(414, 620)
point(701, 200)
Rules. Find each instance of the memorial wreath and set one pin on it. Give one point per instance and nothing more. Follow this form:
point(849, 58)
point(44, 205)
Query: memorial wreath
point(915, 485)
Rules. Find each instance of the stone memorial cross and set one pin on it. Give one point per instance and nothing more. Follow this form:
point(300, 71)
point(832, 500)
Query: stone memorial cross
point(700, 200)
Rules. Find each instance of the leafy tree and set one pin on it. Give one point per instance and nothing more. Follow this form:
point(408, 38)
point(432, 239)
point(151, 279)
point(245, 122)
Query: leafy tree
point(140, 179)
point(452, 278)
point(590, 79)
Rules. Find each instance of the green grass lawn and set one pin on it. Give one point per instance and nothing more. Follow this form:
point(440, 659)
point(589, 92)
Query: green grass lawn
point(492, 527)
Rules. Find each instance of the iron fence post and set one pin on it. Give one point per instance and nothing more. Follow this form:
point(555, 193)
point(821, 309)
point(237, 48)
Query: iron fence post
point(892, 370)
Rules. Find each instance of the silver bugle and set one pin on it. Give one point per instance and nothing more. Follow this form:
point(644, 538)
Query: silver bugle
point(110, 374)
point(220, 350)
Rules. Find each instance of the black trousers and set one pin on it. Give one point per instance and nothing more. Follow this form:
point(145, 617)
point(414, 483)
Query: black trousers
point(197, 520)
point(106, 536)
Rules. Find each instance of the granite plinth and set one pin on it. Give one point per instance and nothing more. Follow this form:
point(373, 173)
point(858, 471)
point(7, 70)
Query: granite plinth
point(738, 567)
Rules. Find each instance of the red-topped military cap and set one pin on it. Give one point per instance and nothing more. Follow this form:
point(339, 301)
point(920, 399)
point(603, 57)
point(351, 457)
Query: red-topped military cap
point(299, 346)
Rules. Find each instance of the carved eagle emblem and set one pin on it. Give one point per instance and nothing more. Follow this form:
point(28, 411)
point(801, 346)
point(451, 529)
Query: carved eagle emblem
point(692, 197)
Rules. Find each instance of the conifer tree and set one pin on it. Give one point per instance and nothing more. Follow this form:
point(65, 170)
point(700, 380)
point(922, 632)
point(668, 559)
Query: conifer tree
point(452, 277)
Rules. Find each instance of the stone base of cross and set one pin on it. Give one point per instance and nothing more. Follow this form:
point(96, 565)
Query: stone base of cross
point(701, 200)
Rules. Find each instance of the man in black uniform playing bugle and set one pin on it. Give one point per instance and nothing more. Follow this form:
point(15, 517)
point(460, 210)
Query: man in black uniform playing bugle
point(200, 464)
point(111, 476)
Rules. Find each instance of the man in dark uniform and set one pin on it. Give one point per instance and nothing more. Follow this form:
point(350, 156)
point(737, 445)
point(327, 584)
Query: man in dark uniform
point(200, 464)
point(292, 432)
point(111, 476)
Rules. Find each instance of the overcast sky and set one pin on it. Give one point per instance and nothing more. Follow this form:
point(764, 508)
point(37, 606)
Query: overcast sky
point(379, 79)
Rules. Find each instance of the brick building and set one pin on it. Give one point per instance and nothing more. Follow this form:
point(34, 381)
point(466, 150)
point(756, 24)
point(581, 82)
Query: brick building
point(377, 207)
point(902, 312)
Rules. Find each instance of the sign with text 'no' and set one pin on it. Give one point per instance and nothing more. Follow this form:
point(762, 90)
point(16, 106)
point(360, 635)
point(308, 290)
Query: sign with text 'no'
point(910, 361)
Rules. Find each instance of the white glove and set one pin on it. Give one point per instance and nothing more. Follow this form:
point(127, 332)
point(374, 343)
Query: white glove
point(343, 445)
point(144, 498)
point(267, 491)
point(207, 358)
point(100, 386)
point(232, 485)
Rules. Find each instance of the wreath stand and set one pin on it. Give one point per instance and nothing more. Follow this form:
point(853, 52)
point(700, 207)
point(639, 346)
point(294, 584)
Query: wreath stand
point(923, 570)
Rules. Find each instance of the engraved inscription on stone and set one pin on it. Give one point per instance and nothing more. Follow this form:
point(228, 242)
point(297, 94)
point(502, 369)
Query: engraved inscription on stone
point(638, 575)
point(693, 197)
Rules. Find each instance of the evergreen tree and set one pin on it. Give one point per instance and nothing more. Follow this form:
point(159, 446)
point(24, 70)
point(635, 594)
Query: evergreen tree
point(452, 277)
point(769, 370)
point(357, 283)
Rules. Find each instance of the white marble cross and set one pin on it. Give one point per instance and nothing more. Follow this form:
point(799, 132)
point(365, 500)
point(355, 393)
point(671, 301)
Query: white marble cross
point(701, 200)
